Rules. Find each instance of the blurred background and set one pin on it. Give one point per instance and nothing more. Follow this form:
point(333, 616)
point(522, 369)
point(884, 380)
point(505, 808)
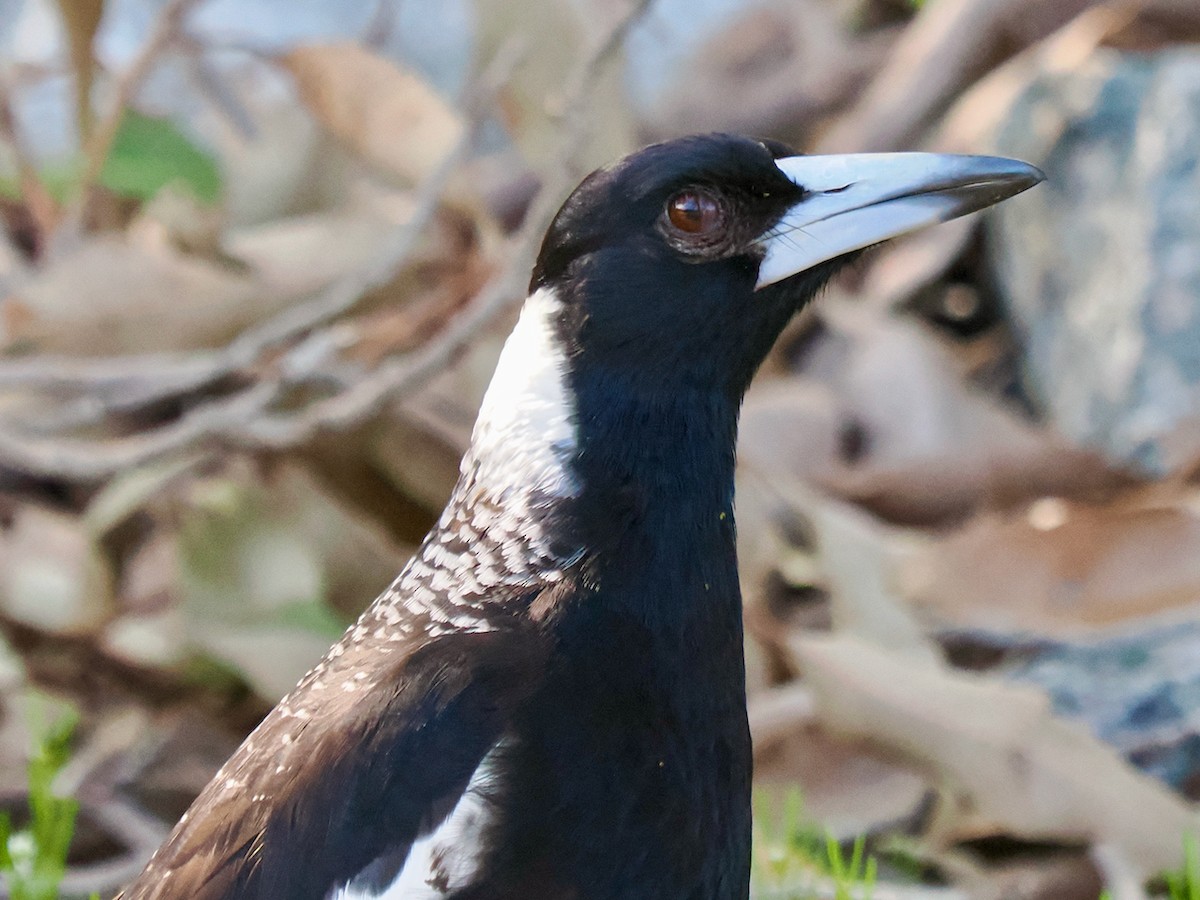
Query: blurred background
point(257, 258)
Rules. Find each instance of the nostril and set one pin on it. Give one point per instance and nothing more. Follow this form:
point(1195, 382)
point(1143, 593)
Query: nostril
point(838, 190)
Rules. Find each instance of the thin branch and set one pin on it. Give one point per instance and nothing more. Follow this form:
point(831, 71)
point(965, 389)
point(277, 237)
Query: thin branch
point(212, 85)
point(166, 29)
point(130, 382)
point(81, 19)
point(51, 373)
point(34, 193)
point(156, 376)
point(243, 418)
point(91, 460)
point(396, 377)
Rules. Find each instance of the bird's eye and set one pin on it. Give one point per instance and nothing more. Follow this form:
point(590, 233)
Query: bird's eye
point(695, 212)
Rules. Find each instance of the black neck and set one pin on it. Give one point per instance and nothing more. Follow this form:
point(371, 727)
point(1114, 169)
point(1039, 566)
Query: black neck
point(656, 464)
point(649, 678)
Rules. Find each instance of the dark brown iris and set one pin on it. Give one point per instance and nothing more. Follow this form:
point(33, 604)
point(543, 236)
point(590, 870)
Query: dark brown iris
point(694, 212)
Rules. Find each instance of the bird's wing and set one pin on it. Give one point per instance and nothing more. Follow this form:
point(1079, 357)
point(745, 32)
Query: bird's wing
point(350, 768)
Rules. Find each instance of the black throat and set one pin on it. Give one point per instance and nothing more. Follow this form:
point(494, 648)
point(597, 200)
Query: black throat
point(639, 742)
point(656, 508)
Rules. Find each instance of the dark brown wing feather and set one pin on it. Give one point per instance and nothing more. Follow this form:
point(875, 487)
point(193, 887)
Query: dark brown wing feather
point(353, 765)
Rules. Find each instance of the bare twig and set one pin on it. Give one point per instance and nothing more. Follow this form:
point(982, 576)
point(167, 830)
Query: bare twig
point(33, 192)
point(123, 383)
point(167, 28)
point(81, 19)
point(115, 385)
point(216, 88)
point(396, 377)
point(243, 418)
point(69, 375)
point(946, 48)
point(82, 460)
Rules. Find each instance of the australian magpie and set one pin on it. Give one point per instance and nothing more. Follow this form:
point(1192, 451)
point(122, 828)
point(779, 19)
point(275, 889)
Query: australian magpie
point(549, 701)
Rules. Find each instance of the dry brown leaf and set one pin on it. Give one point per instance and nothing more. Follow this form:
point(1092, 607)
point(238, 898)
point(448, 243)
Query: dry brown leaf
point(790, 427)
point(998, 746)
point(386, 114)
point(138, 292)
point(849, 553)
point(763, 547)
point(286, 165)
point(264, 564)
point(945, 489)
point(905, 388)
point(1059, 568)
point(298, 255)
point(52, 575)
point(1060, 876)
point(901, 268)
point(861, 558)
point(933, 449)
point(113, 295)
point(420, 464)
point(448, 267)
point(848, 786)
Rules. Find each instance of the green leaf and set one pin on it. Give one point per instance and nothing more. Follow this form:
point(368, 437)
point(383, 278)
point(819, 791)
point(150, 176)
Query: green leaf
point(59, 179)
point(6, 830)
point(1185, 883)
point(149, 153)
point(791, 853)
point(34, 859)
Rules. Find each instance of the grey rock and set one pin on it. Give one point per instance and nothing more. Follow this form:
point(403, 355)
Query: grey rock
point(1100, 266)
point(1138, 691)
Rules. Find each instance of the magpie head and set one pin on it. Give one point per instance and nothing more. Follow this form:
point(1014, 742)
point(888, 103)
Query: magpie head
point(682, 262)
point(665, 278)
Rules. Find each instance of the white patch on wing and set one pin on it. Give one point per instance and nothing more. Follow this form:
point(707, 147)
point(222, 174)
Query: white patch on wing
point(526, 425)
point(446, 859)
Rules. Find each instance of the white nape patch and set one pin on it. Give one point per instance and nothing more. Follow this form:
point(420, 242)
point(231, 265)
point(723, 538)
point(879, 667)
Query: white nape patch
point(526, 426)
point(447, 859)
point(496, 537)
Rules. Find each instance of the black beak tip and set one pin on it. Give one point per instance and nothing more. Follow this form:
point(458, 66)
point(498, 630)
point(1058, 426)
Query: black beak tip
point(989, 180)
point(1019, 176)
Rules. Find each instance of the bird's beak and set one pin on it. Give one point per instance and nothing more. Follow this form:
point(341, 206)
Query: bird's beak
point(856, 200)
